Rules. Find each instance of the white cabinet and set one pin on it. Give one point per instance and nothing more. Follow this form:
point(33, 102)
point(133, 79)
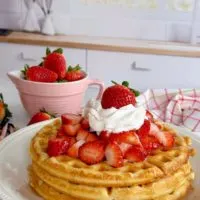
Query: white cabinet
point(13, 57)
point(163, 71)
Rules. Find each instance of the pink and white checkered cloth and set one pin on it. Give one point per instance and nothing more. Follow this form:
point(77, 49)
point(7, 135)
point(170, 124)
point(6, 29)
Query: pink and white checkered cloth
point(180, 107)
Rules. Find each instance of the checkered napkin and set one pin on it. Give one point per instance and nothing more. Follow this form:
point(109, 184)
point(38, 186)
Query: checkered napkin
point(180, 107)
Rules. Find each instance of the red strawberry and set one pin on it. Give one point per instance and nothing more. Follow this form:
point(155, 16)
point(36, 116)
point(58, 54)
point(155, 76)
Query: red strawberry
point(91, 137)
point(117, 96)
point(39, 74)
point(61, 133)
point(72, 140)
point(73, 150)
point(57, 146)
point(149, 116)
point(71, 130)
point(164, 137)
point(82, 134)
point(135, 154)
point(74, 73)
point(129, 137)
point(85, 124)
point(71, 119)
point(40, 116)
point(124, 147)
point(114, 155)
point(149, 143)
point(144, 129)
point(104, 135)
point(92, 152)
point(56, 62)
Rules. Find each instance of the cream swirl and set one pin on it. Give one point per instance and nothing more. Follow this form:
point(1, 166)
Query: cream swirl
point(113, 120)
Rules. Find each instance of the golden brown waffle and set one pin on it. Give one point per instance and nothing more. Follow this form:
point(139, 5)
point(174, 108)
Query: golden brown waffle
point(166, 173)
point(169, 188)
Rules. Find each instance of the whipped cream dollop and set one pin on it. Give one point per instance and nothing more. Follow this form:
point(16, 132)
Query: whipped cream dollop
point(113, 120)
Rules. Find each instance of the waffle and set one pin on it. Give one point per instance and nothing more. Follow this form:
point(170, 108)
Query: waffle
point(166, 174)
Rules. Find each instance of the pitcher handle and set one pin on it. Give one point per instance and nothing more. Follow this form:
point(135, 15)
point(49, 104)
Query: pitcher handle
point(98, 83)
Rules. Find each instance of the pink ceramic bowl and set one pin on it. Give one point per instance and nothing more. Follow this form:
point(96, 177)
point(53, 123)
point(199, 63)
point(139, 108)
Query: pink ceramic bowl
point(56, 98)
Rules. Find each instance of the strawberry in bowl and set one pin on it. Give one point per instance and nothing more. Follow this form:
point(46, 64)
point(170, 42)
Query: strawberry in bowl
point(52, 85)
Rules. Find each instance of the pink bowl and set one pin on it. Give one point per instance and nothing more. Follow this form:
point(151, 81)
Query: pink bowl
point(56, 98)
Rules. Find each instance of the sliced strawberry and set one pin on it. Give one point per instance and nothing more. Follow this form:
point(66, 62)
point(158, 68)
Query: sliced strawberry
point(150, 143)
point(71, 119)
point(73, 150)
point(71, 130)
point(145, 128)
point(135, 154)
point(61, 133)
point(153, 129)
point(71, 140)
point(164, 137)
point(82, 134)
point(104, 135)
point(114, 155)
point(129, 137)
point(57, 146)
point(92, 137)
point(149, 115)
point(124, 147)
point(85, 124)
point(92, 152)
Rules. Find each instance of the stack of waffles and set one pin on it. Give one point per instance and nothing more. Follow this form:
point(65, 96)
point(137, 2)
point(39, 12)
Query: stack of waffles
point(165, 174)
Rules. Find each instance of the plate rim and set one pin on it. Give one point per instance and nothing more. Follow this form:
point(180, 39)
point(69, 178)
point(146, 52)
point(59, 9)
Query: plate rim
point(20, 132)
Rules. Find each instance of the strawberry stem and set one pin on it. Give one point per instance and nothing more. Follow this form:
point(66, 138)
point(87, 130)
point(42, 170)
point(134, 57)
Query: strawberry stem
point(126, 84)
point(48, 51)
point(59, 50)
point(114, 82)
point(76, 68)
point(23, 71)
point(43, 110)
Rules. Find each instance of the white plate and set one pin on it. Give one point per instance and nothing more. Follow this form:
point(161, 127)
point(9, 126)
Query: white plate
point(14, 160)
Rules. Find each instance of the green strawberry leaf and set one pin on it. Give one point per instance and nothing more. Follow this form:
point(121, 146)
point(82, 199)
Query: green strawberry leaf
point(1, 97)
point(8, 113)
point(41, 64)
point(125, 83)
point(59, 50)
point(23, 71)
point(136, 92)
point(70, 68)
point(43, 110)
point(61, 81)
point(76, 68)
point(48, 51)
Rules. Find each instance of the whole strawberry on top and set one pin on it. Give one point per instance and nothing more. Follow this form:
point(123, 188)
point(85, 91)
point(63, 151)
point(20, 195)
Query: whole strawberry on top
point(40, 116)
point(55, 61)
point(39, 74)
point(74, 73)
point(118, 96)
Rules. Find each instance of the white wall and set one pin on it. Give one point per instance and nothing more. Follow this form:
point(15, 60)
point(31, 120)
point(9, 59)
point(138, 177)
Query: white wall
point(71, 17)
